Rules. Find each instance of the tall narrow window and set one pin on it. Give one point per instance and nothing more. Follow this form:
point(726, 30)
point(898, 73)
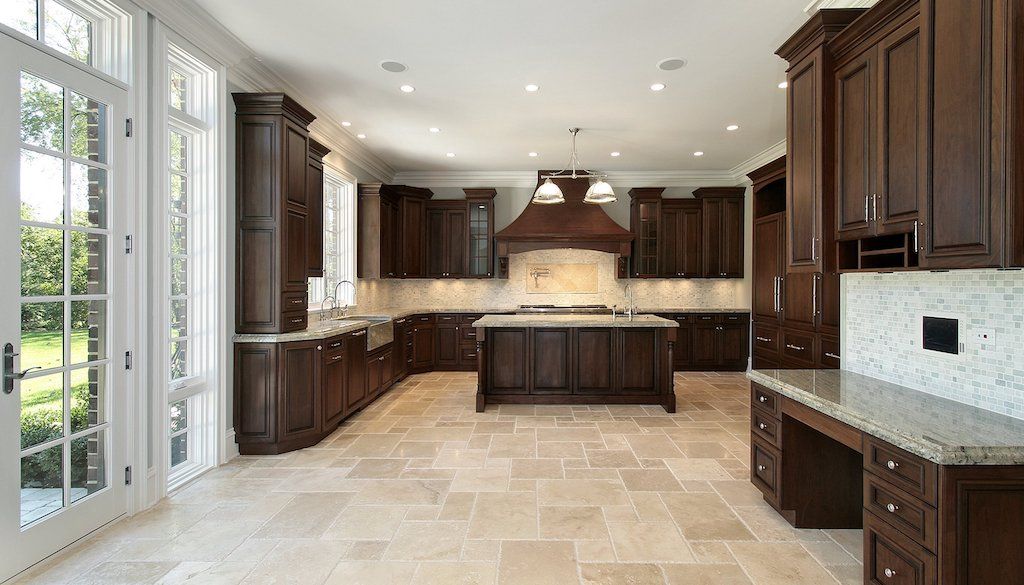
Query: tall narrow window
point(339, 242)
point(188, 93)
point(92, 32)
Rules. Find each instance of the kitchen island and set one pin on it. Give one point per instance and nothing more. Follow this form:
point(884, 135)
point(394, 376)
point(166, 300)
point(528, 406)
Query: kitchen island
point(575, 359)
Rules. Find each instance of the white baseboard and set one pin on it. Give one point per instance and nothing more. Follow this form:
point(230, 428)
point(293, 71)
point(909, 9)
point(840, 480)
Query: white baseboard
point(230, 447)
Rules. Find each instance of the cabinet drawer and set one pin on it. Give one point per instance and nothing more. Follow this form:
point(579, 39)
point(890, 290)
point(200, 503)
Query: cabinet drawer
point(764, 468)
point(706, 318)
point(733, 318)
point(766, 341)
point(828, 352)
point(443, 319)
point(469, 319)
point(467, 333)
point(890, 558)
point(906, 471)
point(798, 348)
point(422, 319)
point(680, 318)
point(765, 427)
point(902, 511)
point(333, 344)
point(467, 354)
point(294, 321)
point(765, 399)
point(293, 301)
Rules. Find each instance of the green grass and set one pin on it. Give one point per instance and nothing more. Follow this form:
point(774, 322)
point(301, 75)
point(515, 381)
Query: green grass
point(45, 349)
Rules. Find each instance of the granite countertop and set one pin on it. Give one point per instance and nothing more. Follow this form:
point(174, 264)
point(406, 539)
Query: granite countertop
point(318, 330)
point(692, 310)
point(573, 321)
point(938, 429)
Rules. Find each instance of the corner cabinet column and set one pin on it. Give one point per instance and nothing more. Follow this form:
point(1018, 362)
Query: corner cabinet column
point(277, 209)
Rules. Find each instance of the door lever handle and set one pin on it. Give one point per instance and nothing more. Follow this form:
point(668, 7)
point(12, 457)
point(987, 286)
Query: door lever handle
point(9, 374)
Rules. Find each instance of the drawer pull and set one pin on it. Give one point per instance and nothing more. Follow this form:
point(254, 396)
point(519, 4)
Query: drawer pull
point(297, 320)
point(705, 318)
point(380, 359)
point(359, 333)
point(889, 573)
point(336, 344)
point(892, 508)
point(296, 301)
point(831, 355)
point(336, 358)
point(762, 426)
point(762, 398)
point(892, 465)
point(764, 339)
point(761, 468)
point(795, 347)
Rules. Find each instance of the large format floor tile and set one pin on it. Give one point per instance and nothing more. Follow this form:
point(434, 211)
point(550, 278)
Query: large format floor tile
point(419, 489)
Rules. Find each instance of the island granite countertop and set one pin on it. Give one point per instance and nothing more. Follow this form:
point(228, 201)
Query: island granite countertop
point(938, 429)
point(491, 321)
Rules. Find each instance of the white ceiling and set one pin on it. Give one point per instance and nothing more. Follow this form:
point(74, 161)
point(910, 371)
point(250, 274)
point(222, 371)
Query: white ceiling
point(593, 59)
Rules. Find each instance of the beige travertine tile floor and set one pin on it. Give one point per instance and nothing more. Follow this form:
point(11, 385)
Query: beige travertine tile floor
point(421, 489)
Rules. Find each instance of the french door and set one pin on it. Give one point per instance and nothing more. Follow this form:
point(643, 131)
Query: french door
point(63, 303)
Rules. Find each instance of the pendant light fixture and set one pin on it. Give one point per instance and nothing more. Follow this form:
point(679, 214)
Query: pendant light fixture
point(599, 192)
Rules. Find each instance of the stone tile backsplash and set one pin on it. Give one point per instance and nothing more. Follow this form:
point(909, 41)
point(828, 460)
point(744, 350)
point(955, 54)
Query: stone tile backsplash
point(489, 293)
point(882, 330)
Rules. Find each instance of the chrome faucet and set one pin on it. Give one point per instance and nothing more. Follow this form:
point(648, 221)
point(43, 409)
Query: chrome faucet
point(344, 310)
point(323, 303)
point(630, 309)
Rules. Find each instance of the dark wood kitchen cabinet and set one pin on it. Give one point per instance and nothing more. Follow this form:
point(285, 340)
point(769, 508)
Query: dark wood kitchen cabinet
point(769, 267)
point(423, 344)
point(447, 342)
point(682, 239)
point(810, 107)
point(880, 134)
point(710, 342)
point(447, 239)
point(480, 231)
point(392, 237)
point(277, 210)
point(723, 242)
point(356, 379)
point(593, 361)
point(552, 361)
point(701, 237)
point(335, 378)
point(315, 208)
point(380, 371)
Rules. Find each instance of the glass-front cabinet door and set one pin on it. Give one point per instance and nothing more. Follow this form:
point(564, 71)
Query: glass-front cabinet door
point(481, 234)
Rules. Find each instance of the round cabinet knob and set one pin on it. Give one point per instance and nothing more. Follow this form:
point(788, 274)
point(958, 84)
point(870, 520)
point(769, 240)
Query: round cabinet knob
point(765, 399)
point(319, 347)
point(761, 468)
point(762, 426)
point(892, 508)
point(889, 573)
point(892, 465)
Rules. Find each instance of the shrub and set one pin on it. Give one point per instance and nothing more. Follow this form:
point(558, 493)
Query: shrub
point(44, 424)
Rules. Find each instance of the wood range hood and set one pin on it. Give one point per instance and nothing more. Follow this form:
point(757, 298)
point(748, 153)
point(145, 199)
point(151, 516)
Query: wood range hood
point(573, 224)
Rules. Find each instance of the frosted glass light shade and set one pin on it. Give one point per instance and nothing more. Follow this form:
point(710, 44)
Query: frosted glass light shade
point(548, 193)
point(600, 192)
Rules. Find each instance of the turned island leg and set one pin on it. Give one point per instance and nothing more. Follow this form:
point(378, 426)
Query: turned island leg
point(481, 369)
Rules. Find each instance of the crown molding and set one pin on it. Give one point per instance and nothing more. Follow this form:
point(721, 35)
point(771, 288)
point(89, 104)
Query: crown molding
point(528, 179)
point(817, 5)
point(739, 172)
point(247, 72)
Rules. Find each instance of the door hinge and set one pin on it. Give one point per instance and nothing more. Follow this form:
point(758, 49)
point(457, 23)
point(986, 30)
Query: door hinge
point(127, 360)
point(128, 247)
point(128, 475)
point(128, 127)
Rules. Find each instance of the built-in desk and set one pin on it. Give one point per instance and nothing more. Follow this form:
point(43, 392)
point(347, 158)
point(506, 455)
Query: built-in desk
point(937, 486)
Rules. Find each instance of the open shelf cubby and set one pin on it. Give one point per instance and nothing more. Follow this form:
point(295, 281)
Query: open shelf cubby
point(878, 254)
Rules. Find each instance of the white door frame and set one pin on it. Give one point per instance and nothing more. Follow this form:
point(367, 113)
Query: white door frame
point(48, 536)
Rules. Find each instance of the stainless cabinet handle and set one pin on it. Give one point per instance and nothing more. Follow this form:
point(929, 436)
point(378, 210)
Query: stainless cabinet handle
point(796, 347)
point(915, 236)
point(762, 426)
point(764, 339)
point(814, 249)
point(892, 465)
point(889, 573)
point(892, 508)
point(867, 218)
point(297, 320)
point(874, 207)
point(359, 333)
point(336, 358)
point(814, 296)
point(296, 301)
point(831, 355)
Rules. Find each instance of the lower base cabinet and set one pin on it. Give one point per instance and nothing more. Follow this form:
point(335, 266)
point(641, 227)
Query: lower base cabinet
point(778, 347)
point(718, 342)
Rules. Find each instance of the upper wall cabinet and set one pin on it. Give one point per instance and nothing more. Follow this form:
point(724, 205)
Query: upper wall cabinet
point(810, 107)
point(279, 204)
point(688, 238)
point(973, 204)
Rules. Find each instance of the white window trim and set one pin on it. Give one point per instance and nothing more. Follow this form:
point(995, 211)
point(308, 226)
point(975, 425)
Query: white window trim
point(349, 181)
point(112, 45)
point(207, 240)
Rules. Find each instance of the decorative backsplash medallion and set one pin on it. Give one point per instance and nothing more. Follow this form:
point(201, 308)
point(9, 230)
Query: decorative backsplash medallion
point(561, 278)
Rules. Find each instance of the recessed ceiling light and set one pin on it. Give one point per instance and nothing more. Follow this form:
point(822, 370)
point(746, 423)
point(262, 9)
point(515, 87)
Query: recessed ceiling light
point(450, 154)
point(616, 153)
point(671, 64)
point(784, 85)
point(699, 153)
point(657, 86)
point(532, 87)
point(532, 154)
point(361, 136)
point(346, 124)
point(732, 127)
point(407, 88)
point(392, 66)
point(435, 130)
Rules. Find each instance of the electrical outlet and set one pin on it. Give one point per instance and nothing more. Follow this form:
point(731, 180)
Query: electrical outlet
point(985, 339)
